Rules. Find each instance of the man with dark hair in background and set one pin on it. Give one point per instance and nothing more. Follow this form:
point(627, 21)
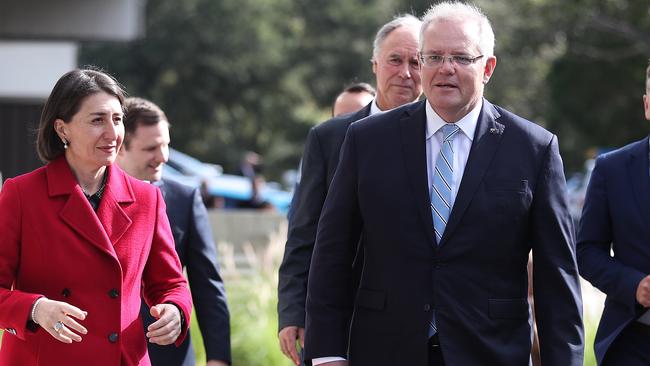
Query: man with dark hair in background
point(353, 98)
point(143, 154)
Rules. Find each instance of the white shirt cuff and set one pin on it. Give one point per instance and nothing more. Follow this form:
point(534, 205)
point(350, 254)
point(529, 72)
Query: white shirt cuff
point(322, 360)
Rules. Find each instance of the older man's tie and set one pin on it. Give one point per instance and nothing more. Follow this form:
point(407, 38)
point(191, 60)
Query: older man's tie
point(441, 193)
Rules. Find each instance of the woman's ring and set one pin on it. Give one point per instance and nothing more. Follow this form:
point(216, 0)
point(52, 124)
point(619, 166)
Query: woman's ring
point(58, 326)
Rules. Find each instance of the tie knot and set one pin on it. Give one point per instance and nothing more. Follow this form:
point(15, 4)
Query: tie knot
point(449, 131)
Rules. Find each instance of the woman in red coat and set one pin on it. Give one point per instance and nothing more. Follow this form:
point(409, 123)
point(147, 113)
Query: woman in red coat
point(80, 242)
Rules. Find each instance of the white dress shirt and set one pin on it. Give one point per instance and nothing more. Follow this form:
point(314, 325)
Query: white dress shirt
point(374, 109)
point(461, 144)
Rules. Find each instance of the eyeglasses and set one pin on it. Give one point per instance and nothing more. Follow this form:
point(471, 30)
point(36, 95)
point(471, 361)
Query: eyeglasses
point(439, 60)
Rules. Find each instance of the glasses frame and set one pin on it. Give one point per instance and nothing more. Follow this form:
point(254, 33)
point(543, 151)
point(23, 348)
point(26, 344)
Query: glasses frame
point(458, 60)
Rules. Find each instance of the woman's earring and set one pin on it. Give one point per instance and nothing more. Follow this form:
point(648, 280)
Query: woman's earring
point(65, 143)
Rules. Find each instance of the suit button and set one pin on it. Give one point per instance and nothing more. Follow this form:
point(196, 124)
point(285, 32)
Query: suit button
point(65, 292)
point(113, 337)
point(427, 307)
point(113, 293)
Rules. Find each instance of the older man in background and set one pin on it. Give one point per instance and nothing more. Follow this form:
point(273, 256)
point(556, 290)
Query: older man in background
point(397, 71)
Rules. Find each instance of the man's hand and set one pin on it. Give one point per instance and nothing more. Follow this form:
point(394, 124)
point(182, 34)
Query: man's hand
point(288, 337)
point(643, 292)
point(216, 363)
point(167, 328)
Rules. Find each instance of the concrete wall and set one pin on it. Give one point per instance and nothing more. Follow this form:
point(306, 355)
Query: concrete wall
point(114, 20)
point(248, 241)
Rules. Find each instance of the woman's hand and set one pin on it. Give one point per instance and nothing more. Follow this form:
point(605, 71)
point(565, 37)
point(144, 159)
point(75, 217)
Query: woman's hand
point(59, 319)
point(167, 328)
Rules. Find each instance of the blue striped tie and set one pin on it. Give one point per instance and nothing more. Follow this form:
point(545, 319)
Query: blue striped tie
point(442, 181)
point(441, 193)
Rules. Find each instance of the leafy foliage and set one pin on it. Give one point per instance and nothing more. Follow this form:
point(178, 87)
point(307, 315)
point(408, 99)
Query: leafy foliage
point(244, 75)
point(236, 75)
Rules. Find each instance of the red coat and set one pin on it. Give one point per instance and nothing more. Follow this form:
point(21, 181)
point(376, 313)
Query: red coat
point(53, 244)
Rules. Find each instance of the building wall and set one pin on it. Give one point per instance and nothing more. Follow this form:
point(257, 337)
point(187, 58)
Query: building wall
point(18, 123)
point(38, 44)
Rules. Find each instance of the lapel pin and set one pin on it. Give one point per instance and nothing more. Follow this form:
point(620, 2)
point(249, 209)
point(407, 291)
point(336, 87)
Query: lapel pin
point(494, 130)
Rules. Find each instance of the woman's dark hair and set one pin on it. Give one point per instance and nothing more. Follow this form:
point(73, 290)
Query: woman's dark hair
point(64, 102)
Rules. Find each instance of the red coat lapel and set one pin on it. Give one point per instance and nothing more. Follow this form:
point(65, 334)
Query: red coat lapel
point(103, 228)
point(110, 213)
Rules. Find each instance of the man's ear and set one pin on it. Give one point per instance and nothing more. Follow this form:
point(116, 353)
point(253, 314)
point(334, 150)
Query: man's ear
point(490, 65)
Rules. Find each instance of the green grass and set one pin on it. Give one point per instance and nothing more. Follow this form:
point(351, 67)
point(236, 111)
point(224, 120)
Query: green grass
point(253, 320)
point(197, 340)
point(590, 333)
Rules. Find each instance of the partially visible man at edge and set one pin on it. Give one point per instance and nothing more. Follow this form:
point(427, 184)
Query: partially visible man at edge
point(143, 154)
point(397, 71)
point(353, 98)
point(614, 221)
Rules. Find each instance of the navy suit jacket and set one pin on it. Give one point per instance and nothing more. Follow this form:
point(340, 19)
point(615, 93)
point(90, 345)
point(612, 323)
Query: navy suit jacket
point(616, 215)
point(320, 158)
point(188, 219)
point(512, 199)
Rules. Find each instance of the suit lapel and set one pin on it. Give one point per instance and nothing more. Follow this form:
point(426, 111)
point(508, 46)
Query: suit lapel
point(110, 213)
point(163, 188)
point(363, 112)
point(486, 141)
point(637, 170)
point(413, 131)
point(77, 212)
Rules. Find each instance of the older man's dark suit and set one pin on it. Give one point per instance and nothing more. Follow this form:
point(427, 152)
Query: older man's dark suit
point(188, 219)
point(616, 215)
point(320, 158)
point(512, 199)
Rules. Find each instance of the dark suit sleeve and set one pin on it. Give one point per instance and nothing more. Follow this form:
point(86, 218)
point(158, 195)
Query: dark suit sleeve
point(303, 221)
point(329, 303)
point(208, 293)
point(595, 240)
point(162, 277)
point(558, 303)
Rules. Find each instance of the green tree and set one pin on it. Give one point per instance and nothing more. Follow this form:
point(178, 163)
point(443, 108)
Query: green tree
point(257, 74)
point(596, 86)
point(236, 75)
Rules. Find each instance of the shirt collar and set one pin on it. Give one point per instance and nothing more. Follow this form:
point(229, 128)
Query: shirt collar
point(467, 124)
point(374, 108)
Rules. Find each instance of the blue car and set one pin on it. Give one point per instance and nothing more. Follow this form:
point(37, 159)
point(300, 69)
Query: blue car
point(232, 188)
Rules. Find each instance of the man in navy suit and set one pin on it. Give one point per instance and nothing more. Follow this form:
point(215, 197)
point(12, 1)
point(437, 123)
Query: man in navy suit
point(396, 68)
point(144, 152)
point(448, 196)
point(616, 219)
